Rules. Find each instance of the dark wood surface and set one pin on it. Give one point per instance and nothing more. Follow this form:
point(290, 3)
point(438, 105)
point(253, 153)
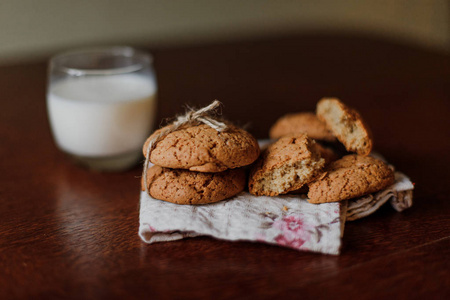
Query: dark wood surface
point(66, 232)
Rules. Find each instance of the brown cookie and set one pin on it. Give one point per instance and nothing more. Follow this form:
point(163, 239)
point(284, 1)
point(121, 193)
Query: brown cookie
point(285, 166)
point(349, 177)
point(346, 124)
point(305, 122)
point(328, 155)
point(204, 149)
point(187, 187)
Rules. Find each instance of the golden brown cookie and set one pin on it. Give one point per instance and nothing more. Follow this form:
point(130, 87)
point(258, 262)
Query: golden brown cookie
point(350, 177)
point(285, 166)
point(346, 124)
point(187, 187)
point(204, 149)
point(328, 155)
point(305, 122)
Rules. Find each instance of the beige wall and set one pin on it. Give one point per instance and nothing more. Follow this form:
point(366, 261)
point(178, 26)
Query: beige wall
point(35, 28)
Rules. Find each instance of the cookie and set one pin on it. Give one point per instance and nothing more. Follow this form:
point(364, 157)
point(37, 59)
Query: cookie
point(346, 124)
point(187, 187)
point(328, 155)
point(350, 177)
point(285, 166)
point(305, 122)
point(204, 149)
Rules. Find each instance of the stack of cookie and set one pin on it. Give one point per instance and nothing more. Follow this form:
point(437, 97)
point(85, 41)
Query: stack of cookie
point(298, 162)
point(199, 165)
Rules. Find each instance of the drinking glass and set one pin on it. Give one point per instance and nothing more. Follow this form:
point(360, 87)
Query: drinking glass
point(101, 104)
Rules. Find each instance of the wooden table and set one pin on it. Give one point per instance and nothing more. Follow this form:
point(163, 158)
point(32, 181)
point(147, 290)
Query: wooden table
point(66, 232)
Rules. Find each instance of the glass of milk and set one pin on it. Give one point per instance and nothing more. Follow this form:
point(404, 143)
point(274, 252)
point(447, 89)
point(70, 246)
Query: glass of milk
point(101, 104)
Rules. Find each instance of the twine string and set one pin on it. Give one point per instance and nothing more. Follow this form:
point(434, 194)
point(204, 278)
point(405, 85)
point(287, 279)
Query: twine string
point(191, 118)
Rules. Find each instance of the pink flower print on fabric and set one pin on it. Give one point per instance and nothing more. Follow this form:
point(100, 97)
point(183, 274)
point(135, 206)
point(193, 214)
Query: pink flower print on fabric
point(293, 232)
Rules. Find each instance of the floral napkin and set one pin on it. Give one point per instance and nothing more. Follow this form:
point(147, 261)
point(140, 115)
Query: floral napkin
point(287, 221)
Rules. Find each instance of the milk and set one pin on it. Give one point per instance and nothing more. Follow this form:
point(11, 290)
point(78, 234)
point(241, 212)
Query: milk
point(95, 116)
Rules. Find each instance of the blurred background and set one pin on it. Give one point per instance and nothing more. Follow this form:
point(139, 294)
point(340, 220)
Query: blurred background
point(36, 29)
point(261, 59)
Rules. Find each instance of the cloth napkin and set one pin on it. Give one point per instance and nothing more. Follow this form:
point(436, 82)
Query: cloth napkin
point(399, 194)
point(287, 221)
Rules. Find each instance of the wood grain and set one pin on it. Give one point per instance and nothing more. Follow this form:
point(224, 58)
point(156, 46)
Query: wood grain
point(66, 232)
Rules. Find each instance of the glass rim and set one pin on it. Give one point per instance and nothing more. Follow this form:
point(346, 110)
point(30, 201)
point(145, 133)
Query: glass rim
point(119, 51)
